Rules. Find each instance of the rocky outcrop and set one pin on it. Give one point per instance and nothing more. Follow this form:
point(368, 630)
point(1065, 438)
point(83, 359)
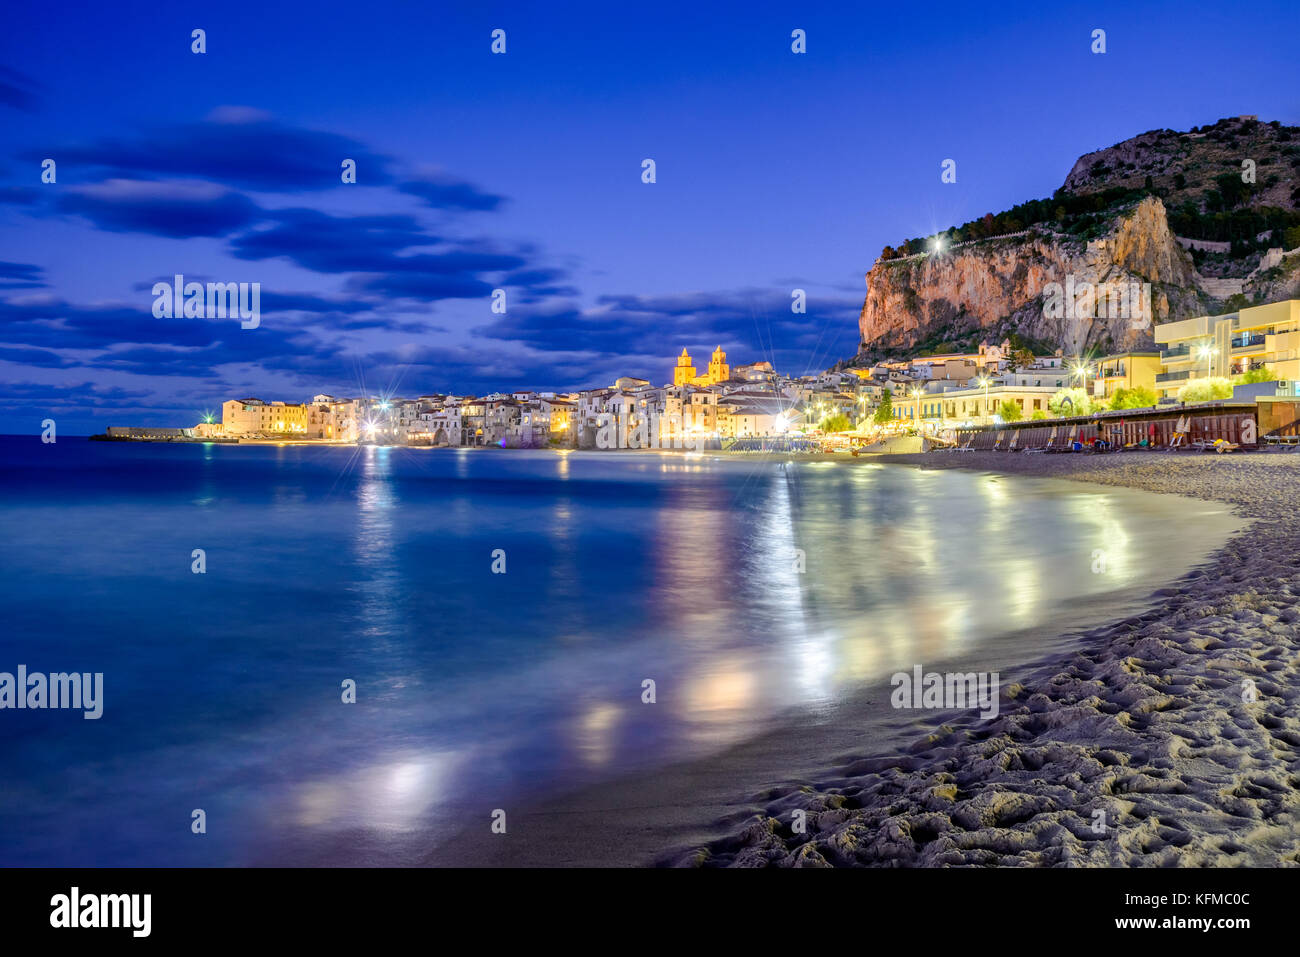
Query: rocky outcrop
point(1187, 166)
point(1277, 278)
point(1095, 230)
point(988, 289)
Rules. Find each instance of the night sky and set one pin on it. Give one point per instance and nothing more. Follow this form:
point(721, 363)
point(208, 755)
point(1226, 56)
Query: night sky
point(523, 171)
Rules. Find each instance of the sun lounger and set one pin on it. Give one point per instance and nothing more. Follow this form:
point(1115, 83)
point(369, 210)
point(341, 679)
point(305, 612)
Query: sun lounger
point(1179, 440)
point(1051, 442)
point(1067, 444)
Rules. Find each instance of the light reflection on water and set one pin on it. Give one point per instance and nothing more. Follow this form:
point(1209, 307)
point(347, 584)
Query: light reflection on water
point(478, 690)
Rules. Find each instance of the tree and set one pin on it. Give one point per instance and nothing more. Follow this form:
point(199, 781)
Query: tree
point(1139, 397)
point(1205, 390)
point(835, 422)
point(1021, 357)
point(885, 411)
point(1038, 415)
point(1009, 411)
point(1258, 374)
point(1068, 402)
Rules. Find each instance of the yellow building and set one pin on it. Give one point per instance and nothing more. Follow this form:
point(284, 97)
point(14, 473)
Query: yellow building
point(253, 417)
point(718, 371)
point(1229, 345)
point(965, 407)
point(684, 374)
point(1129, 370)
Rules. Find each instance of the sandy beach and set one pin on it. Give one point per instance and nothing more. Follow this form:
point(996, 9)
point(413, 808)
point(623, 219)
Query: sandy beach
point(1137, 724)
point(1144, 727)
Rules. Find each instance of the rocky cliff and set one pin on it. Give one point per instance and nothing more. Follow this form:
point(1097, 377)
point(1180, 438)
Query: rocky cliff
point(1112, 224)
point(990, 288)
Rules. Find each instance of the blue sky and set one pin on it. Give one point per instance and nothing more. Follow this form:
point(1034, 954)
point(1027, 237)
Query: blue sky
point(523, 171)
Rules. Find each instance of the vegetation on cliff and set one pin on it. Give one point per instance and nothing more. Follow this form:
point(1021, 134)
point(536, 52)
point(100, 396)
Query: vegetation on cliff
point(1198, 175)
point(1187, 216)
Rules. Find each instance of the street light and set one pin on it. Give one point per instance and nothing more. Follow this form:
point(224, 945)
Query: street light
point(1205, 352)
point(916, 406)
point(984, 381)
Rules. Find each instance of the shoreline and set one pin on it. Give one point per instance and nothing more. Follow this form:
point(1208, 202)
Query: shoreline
point(1156, 757)
point(1139, 718)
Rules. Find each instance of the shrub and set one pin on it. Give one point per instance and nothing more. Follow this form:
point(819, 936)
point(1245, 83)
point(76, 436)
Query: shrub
point(1261, 374)
point(1139, 397)
point(835, 422)
point(1205, 390)
point(1068, 402)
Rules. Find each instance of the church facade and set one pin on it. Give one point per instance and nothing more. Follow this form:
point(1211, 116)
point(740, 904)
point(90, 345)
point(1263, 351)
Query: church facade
point(718, 370)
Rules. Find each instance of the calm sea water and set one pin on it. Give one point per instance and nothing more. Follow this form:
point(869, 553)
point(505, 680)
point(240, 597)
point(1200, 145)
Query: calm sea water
point(477, 690)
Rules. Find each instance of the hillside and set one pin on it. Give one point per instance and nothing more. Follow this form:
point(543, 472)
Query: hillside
point(1165, 209)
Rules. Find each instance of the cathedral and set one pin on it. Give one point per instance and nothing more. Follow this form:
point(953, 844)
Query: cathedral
point(718, 370)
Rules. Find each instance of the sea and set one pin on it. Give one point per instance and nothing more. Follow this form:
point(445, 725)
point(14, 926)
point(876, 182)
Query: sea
point(340, 655)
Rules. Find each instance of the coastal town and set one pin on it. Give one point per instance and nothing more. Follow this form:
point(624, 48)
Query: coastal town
point(1248, 358)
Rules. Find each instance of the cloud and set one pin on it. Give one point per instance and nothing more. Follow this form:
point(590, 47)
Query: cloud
point(21, 276)
point(444, 192)
point(236, 146)
point(750, 324)
point(17, 90)
point(178, 209)
point(41, 358)
point(384, 254)
point(19, 195)
point(48, 322)
point(330, 244)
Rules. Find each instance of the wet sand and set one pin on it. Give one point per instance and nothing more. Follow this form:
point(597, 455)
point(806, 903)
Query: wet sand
point(1129, 744)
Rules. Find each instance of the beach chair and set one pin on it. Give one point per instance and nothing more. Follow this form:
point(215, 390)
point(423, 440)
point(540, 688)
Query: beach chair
point(997, 446)
point(1070, 439)
point(1223, 445)
point(1181, 428)
point(1015, 440)
point(1198, 444)
point(1048, 447)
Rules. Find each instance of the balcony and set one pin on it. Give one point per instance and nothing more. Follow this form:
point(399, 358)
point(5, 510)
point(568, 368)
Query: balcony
point(1175, 353)
point(1173, 376)
point(1248, 342)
